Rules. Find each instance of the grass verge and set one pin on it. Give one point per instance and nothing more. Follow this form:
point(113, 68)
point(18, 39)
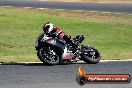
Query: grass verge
point(110, 33)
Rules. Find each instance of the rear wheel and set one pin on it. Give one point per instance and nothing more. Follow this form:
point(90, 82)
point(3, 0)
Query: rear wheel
point(92, 56)
point(48, 56)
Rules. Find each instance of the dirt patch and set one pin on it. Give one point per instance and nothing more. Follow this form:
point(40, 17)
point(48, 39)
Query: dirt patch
point(89, 15)
point(95, 16)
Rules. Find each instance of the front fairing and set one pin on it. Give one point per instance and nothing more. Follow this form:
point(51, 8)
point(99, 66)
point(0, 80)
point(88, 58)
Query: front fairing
point(38, 40)
point(43, 39)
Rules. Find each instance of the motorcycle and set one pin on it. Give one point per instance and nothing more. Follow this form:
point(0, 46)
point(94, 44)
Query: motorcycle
point(52, 51)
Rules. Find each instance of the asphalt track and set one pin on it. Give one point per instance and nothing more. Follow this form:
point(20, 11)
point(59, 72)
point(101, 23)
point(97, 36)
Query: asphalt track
point(105, 7)
point(37, 75)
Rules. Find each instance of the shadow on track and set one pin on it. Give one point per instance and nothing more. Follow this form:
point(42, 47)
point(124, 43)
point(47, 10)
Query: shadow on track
point(25, 64)
point(35, 63)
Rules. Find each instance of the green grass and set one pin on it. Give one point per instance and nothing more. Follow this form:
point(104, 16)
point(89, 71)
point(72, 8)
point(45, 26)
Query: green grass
point(110, 33)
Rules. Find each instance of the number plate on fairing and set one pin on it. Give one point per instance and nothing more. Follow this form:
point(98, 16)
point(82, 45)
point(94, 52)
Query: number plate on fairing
point(49, 40)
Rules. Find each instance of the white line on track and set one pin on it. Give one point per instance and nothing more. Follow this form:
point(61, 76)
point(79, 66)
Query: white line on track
point(73, 62)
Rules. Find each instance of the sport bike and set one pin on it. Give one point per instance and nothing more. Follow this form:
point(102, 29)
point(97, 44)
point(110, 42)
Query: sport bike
point(52, 50)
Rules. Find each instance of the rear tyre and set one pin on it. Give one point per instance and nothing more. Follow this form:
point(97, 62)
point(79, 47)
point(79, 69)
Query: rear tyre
point(48, 56)
point(91, 57)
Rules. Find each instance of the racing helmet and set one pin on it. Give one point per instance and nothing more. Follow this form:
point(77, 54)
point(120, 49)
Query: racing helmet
point(47, 27)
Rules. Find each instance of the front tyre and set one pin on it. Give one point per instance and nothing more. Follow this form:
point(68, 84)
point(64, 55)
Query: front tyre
point(92, 56)
point(48, 56)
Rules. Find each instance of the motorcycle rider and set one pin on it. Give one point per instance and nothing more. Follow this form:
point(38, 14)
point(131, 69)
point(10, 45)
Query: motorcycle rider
point(49, 30)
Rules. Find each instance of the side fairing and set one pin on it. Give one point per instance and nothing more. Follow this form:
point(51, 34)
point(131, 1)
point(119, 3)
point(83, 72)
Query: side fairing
point(67, 54)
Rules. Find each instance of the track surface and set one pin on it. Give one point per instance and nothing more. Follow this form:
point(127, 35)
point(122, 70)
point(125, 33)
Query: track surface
point(108, 7)
point(37, 75)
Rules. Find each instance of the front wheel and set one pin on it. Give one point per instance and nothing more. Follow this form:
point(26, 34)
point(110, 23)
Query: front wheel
point(48, 56)
point(91, 56)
